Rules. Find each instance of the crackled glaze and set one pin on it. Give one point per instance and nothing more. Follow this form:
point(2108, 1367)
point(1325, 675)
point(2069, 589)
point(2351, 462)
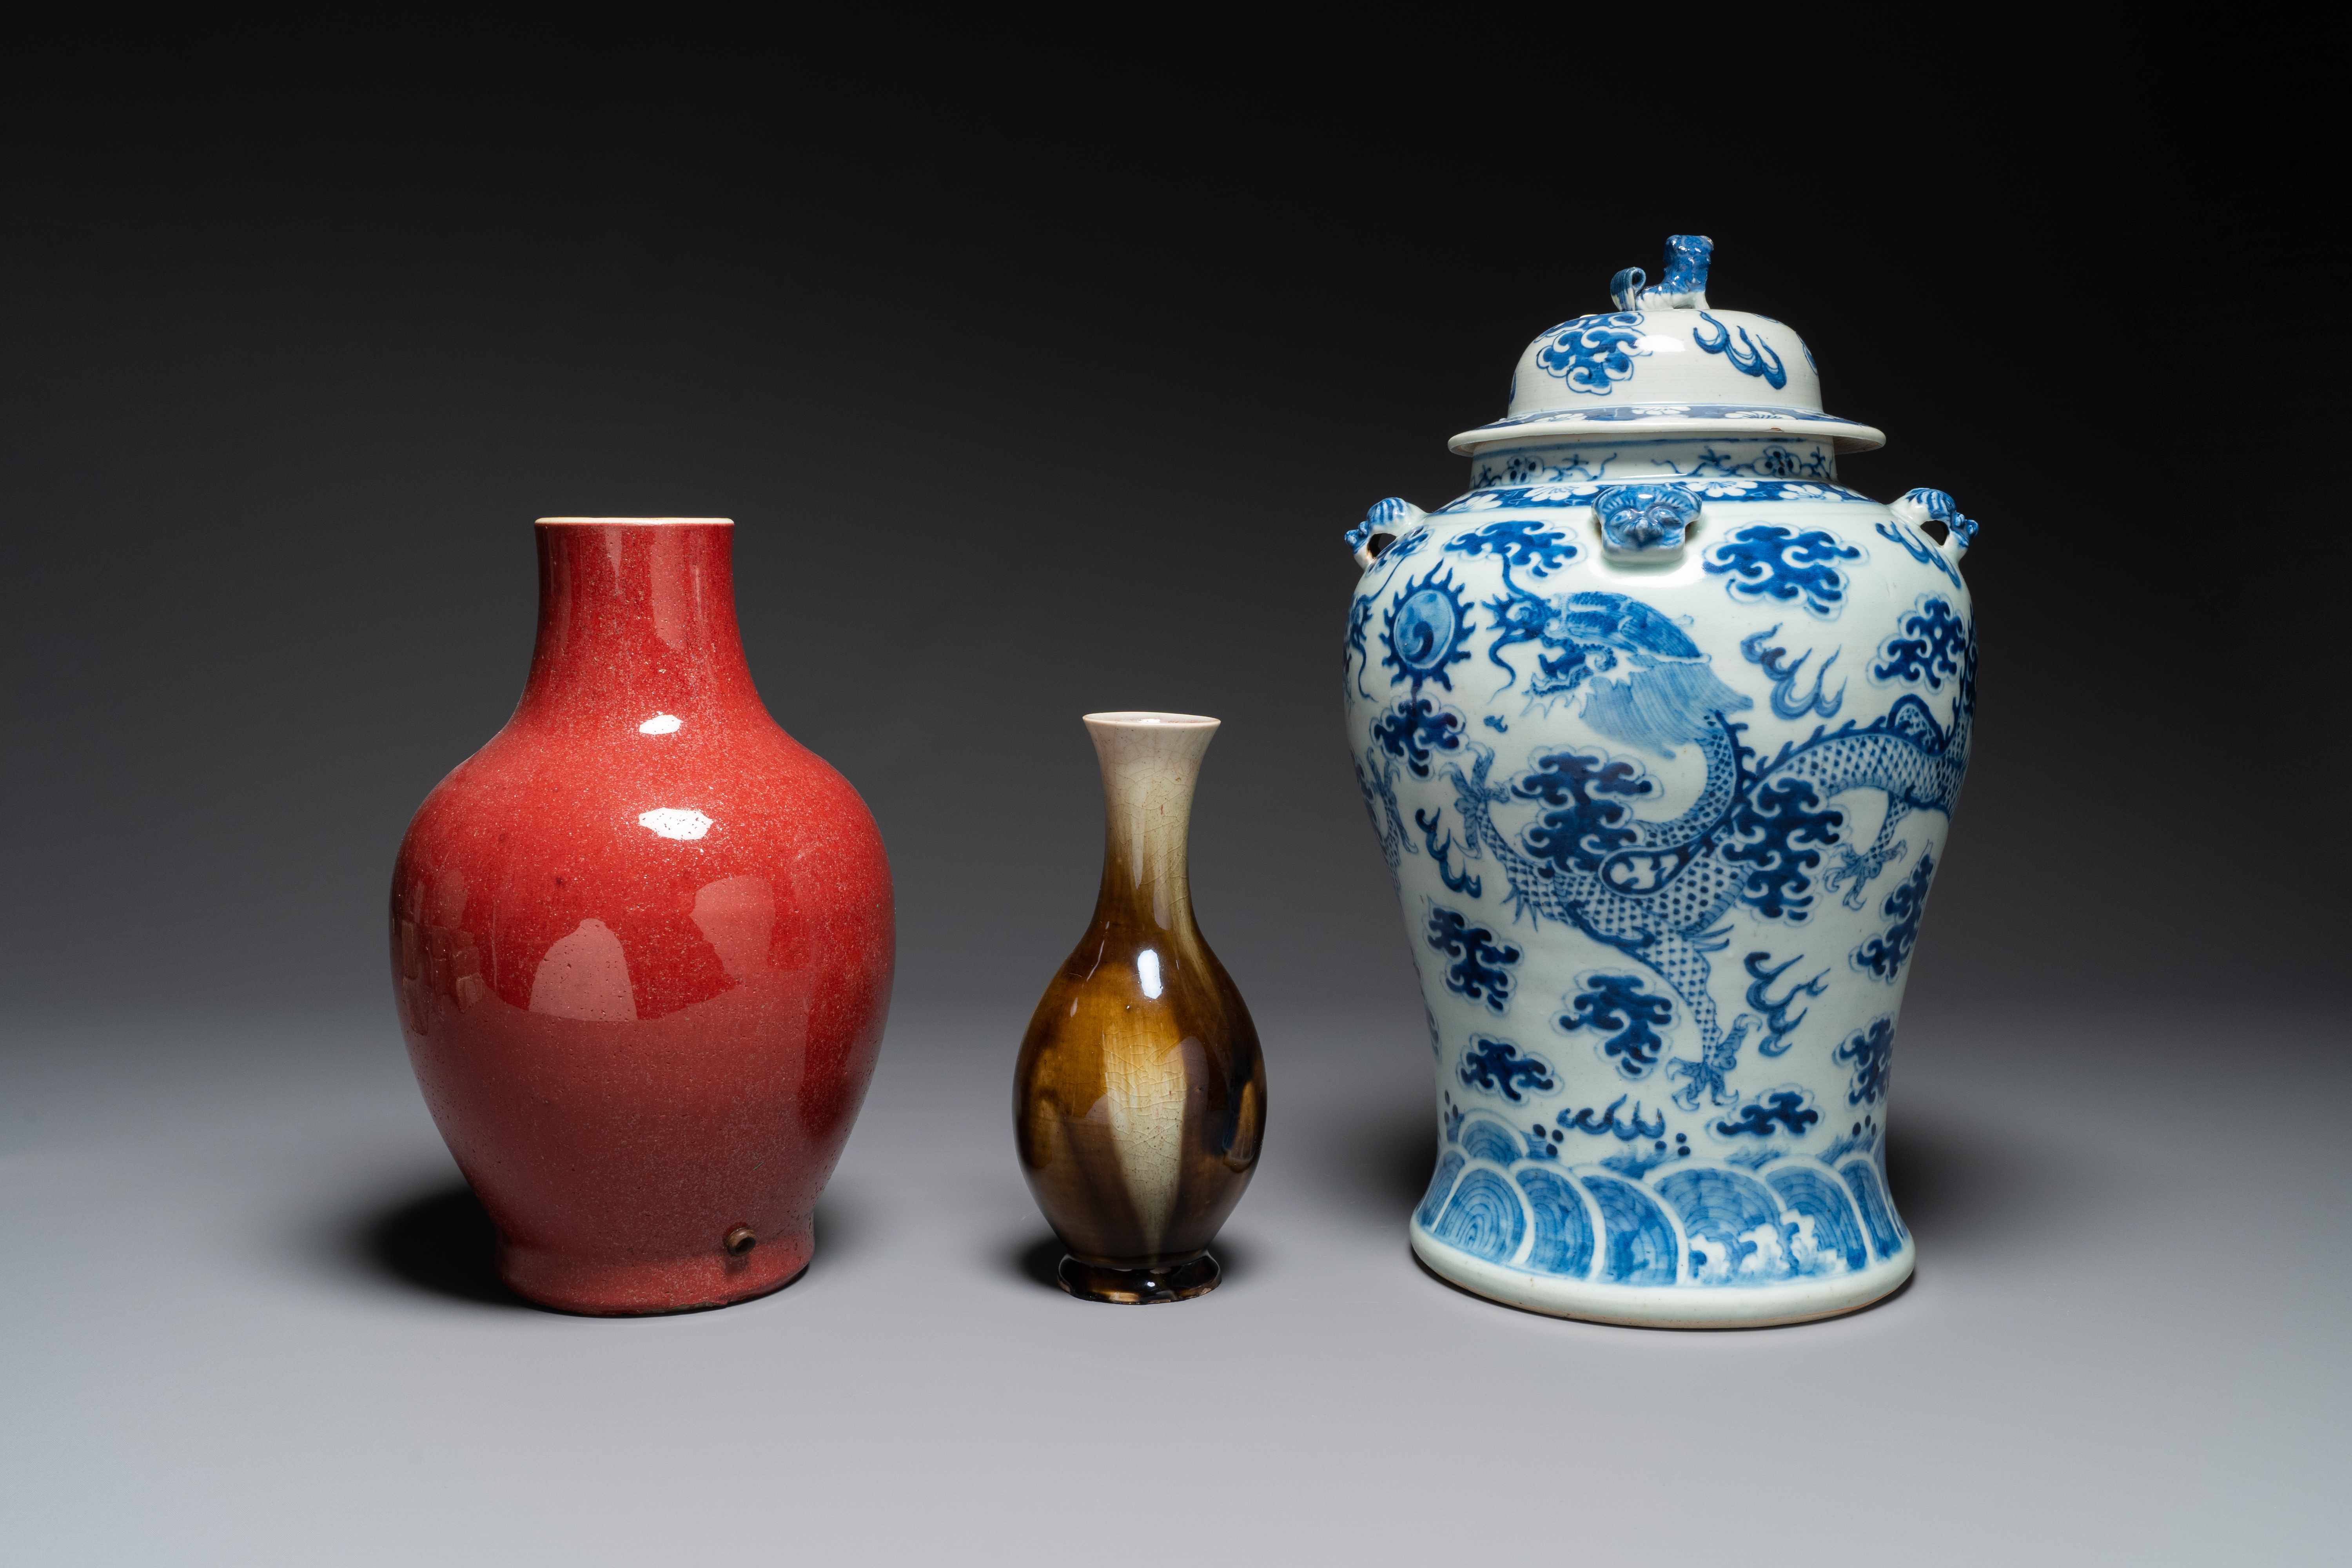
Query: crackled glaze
point(642, 945)
point(1661, 729)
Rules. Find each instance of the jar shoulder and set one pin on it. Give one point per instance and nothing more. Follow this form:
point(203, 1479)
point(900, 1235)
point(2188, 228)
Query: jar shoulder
point(1812, 564)
point(1783, 617)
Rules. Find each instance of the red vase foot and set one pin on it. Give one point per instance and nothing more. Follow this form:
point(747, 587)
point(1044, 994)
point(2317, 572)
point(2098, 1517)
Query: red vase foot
point(638, 1287)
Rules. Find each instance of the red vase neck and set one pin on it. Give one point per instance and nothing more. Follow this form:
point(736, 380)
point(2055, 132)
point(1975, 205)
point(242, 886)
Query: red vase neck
point(637, 615)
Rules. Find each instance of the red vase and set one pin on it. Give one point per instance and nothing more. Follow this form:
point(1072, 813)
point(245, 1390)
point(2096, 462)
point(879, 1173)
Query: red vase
point(643, 944)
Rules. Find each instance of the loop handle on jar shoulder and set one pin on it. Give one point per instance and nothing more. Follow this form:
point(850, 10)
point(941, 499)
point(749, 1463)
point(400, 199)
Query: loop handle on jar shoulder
point(1388, 521)
point(1919, 506)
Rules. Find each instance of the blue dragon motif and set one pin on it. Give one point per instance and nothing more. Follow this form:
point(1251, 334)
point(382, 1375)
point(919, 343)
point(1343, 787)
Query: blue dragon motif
point(1757, 834)
point(1520, 616)
point(1707, 1077)
point(1497, 1067)
point(1767, 561)
point(1786, 701)
point(1481, 970)
point(1884, 956)
point(1871, 1053)
point(1750, 356)
point(1630, 1016)
point(1591, 351)
point(1655, 672)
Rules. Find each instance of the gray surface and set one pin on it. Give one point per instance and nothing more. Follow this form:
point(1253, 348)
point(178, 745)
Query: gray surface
point(248, 1322)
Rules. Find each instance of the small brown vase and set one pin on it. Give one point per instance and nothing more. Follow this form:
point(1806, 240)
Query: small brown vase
point(1140, 1096)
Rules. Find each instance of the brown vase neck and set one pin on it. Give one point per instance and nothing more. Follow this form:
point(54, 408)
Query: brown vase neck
point(1150, 766)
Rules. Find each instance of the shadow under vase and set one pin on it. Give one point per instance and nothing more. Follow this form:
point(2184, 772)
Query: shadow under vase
point(439, 1240)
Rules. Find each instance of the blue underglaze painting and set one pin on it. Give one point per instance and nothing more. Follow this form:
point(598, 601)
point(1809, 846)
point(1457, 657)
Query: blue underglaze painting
point(1659, 1221)
point(1545, 497)
point(1425, 630)
point(1884, 955)
point(1871, 1053)
point(1592, 353)
point(1498, 1067)
point(1481, 967)
point(1660, 728)
point(1626, 1020)
point(1789, 566)
point(1750, 356)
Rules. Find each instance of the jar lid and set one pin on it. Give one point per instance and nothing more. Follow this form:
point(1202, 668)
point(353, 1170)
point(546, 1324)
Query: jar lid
point(1664, 363)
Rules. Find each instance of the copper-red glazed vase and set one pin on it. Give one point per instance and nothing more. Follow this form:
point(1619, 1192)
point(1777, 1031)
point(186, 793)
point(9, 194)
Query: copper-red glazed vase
point(642, 944)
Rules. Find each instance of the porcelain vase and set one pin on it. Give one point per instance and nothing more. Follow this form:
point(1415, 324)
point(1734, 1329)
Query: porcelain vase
point(1662, 727)
point(642, 944)
point(1138, 1100)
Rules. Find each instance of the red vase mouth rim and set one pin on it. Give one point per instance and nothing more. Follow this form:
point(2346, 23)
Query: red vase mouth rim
point(636, 523)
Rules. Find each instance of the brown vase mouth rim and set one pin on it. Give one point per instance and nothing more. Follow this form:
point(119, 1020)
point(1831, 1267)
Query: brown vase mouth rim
point(634, 522)
point(1139, 719)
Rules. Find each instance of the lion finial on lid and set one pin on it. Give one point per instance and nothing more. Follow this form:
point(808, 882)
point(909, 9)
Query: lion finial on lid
point(1684, 287)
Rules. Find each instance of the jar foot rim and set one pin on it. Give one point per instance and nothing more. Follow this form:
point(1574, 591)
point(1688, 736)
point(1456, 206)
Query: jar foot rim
point(1683, 1306)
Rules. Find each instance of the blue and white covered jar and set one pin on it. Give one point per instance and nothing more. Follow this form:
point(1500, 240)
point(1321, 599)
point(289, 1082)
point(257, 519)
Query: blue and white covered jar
point(1661, 729)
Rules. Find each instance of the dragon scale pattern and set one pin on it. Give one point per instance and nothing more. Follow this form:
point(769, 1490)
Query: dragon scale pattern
point(1669, 927)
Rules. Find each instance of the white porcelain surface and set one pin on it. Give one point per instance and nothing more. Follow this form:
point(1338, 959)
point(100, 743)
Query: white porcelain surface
point(1664, 361)
point(1662, 730)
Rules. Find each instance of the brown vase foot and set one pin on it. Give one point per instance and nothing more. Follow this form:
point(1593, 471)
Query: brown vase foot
point(1139, 1287)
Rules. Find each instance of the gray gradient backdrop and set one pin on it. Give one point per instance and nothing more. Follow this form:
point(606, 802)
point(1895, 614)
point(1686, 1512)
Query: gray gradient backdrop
point(1040, 395)
point(1065, 411)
